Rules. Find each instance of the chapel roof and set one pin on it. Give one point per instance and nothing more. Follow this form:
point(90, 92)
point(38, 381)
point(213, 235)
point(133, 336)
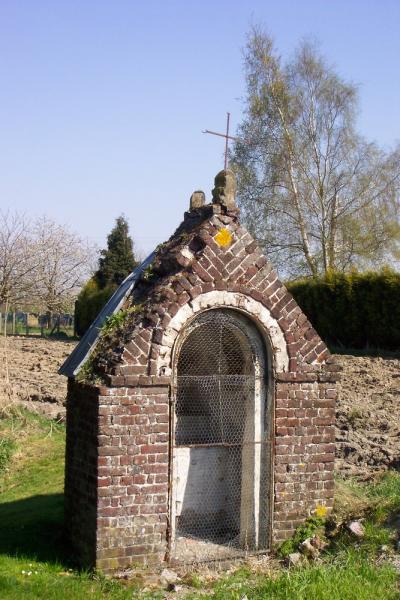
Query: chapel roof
point(210, 249)
point(87, 343)
point(223, 193)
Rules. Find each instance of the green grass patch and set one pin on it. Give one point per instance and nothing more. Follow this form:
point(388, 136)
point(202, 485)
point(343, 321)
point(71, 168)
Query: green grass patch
point(31, 502)
point(34, 561)
point(36, 564)
point(377, 503)
point(6, 450)
point(23, 578)
point(348, 576)
point(385, 491)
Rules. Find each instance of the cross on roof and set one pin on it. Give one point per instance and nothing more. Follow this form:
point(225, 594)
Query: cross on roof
point(226, 136)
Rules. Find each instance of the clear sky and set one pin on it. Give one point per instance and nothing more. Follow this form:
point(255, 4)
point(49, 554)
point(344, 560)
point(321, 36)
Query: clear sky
point(102, 103)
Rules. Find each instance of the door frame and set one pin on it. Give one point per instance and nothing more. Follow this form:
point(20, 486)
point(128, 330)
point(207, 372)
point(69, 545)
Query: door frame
point(264, 381)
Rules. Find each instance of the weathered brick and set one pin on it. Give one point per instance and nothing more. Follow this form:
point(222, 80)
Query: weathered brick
point(118, 451)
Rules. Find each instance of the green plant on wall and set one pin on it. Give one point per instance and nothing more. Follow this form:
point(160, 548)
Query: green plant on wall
point(148, 273)
point(118, 319)
point(112, 328)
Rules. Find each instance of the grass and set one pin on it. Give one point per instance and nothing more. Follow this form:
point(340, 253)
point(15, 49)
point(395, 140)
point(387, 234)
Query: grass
point(6, 451)
point(347, 577)
point(35, 331)
point(31, 503)
point(35, 563)
point(378, 500)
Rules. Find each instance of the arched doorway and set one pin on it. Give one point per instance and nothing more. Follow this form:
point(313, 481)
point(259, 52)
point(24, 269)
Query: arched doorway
point(220, 454)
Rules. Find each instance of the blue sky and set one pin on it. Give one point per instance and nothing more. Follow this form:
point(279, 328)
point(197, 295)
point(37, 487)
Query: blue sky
point(102, 104)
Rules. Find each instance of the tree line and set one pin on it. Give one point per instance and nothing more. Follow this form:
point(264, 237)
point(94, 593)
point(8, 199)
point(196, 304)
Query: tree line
point(353, 310)
point(317, 195)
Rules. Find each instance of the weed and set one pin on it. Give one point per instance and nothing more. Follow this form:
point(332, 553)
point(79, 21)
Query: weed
point(377, 502)
point(310, 527)
point(7, 448)
point(148, 273)
point(118, 319)
point(384, 495)
point(193, 580)
point(375, 537)
point(111, 328)
point(354, 416)
point(184, 237)
point(87, 373)
point(160, 247)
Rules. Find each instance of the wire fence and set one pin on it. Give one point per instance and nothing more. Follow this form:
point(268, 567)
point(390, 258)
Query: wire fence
point(220, 480)
point(32, 324)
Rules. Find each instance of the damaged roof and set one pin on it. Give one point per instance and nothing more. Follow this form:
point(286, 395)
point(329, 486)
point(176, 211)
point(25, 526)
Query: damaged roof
point(82, 351)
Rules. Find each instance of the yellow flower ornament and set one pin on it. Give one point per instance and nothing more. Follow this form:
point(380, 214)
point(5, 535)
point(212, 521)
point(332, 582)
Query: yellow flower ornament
point(223, 237)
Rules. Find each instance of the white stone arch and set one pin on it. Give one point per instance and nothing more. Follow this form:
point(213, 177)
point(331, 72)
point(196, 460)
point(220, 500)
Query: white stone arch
point(256, 507)
point(268, 326)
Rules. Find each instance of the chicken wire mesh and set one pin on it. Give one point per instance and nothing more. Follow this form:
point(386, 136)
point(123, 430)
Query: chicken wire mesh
point(219, 477)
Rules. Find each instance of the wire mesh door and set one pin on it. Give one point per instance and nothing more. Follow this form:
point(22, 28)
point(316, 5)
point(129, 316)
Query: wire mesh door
point(219, 477)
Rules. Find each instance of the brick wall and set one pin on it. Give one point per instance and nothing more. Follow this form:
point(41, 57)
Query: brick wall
point(192, 264)
point(118, 436)
point(81, 471)
point(116, 484)
point(132, 476)
point(304, 450)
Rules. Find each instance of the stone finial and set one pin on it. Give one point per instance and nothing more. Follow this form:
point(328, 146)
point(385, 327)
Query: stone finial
point(224, 191)
point(197, 199)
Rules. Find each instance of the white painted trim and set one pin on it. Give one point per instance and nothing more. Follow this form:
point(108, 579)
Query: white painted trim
point(254, 523)
point(257, 312)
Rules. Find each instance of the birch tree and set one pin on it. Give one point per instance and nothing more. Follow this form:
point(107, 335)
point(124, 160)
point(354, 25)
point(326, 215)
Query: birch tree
point(316, 195)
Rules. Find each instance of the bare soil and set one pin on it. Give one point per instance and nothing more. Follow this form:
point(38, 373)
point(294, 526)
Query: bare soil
point(33, 363)
point(368, 415)
point(368, 410)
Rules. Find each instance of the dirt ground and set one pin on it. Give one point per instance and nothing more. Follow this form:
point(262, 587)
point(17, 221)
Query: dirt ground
point(33, 363)
point(368, 414)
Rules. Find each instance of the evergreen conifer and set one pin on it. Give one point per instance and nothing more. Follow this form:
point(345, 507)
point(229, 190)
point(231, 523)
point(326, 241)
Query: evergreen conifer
point(115, 263)
point(118, 260)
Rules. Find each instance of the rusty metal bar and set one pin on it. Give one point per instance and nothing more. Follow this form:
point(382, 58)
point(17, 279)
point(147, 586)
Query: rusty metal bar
point(230, 137)
point(224, 444)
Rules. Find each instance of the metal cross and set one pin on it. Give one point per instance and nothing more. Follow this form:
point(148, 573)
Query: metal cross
point(226, 136)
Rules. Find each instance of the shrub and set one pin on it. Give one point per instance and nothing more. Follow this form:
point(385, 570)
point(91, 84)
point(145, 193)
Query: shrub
point(89, 303)
point(356, 310)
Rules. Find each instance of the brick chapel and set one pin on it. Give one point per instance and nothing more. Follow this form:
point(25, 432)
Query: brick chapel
point(201, 405)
